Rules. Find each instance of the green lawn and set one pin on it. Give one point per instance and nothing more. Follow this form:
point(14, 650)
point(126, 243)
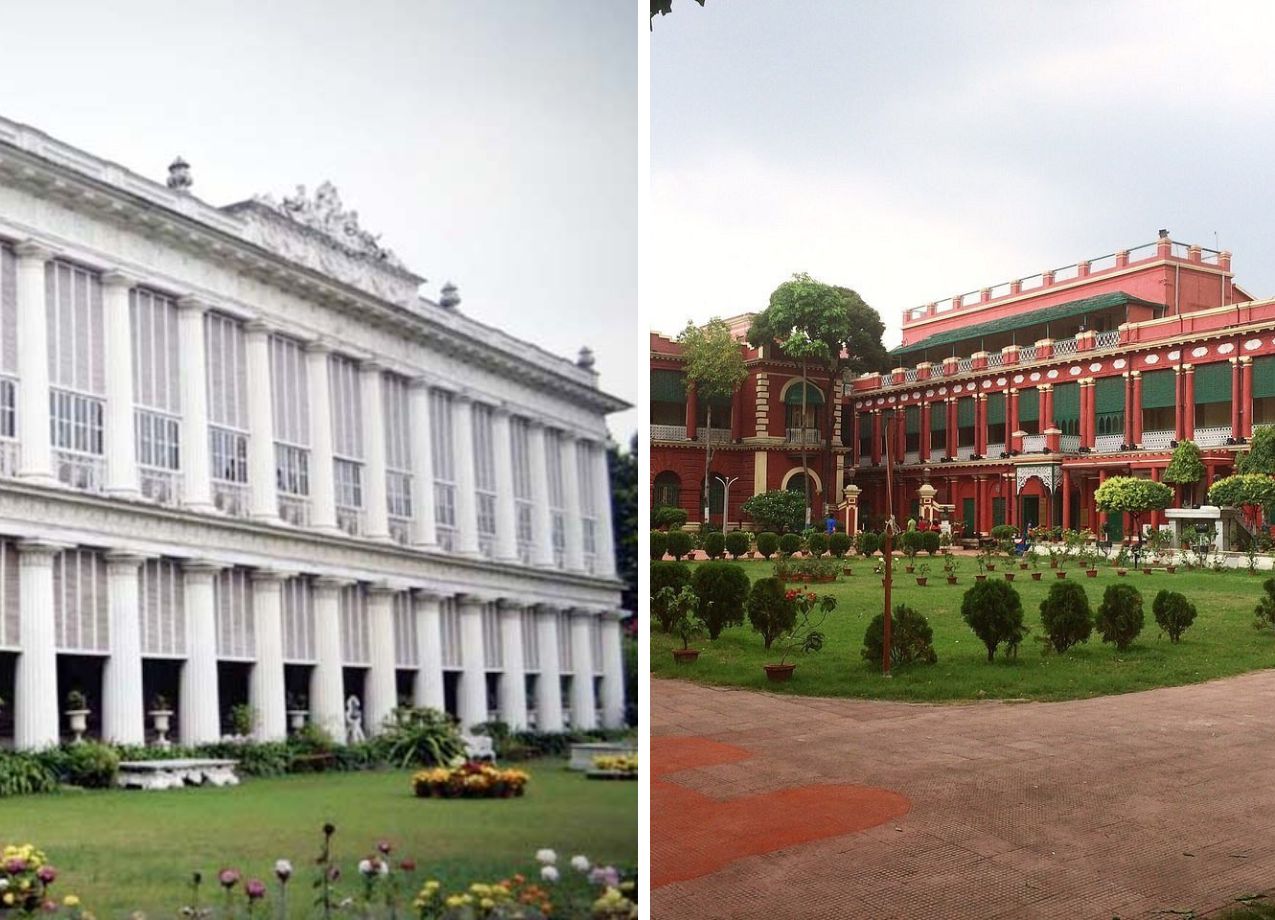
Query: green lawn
point(127, 850)
point(1221, 642)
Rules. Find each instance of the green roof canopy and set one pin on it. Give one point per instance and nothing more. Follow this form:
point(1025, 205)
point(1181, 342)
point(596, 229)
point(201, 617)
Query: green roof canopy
point(1066, 402)
point(1213, 382)
point(1029, 405)
point(1159, 389)
point(668, 386)
point(1264, 377)
point(813, 396)
point(1108, 395)
point(995, 408)
point(965, 412)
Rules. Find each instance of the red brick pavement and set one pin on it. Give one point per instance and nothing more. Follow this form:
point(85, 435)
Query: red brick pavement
point(1137, 805)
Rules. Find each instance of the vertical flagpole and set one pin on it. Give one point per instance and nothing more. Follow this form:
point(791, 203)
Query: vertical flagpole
point(888, 548)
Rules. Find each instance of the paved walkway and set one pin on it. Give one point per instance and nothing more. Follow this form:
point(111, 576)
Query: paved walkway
point(1127, 806)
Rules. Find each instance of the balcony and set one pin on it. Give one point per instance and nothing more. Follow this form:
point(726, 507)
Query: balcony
point(668, 432)
point(230, 497)
point(964, 451)
point(797, 436)
point(348, 518)
point(1069, 443)
point(86, 472)
point(294, 509)
point(400, 529)
point(161, 485)
point(1034, 444)
point(1212, 437)
point(995, 450)
point(1158, 440)
point(10, 458)
point(1107, 443)
point(719, 435)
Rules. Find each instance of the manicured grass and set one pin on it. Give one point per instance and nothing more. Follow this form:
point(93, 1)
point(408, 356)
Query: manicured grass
point(127, 850)
point(1222, 641)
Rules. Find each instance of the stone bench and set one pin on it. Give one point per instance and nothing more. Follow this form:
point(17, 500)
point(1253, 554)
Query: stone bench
point(175, 774)
point(582, 754)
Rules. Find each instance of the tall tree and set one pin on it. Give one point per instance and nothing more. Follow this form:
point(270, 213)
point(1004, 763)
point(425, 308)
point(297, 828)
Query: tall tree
point(1185, 467)
point(664, 7)
point(714, 364)
point(821, 323)
point(623, 467)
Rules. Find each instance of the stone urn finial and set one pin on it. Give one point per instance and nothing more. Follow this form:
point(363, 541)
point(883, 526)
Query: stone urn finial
point(450, 298)
point(179, 178)
point(586, 359)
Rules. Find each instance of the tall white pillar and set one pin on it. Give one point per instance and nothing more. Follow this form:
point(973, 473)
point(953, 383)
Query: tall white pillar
point(200, 703)
point(513, 685)
point(472, 697)
point(118, 428)
point(381, 689)
point(541, 518)
point(266, 694)
point(549, 683)
point(424, 532)
point(36, 462)
point(261, 450)
point(322, 487)
point(612, 670)
point(428, 690)
point(571, 502)
point(583, 704)
point(604, 566)
point(466, 501)
point(35, 691)
point(375, 509)
point(195, 460)
point(327, 681)
point(123, 709)
point(506, 548)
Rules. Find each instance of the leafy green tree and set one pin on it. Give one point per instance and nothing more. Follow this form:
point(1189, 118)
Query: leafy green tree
point(777, 510)
point(664, 7)
point(1260, 456)
point(623, 469)
point(1185, 467)
point(722, 589)
point(1133, 496)
point(770, 610)
point(822, 324)
point(714, 365)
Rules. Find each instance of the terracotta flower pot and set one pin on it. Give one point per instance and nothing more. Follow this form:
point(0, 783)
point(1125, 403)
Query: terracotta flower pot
point(921, 580)
point(779, 673)
point(1122, 572)
point(1170, 569)
point(1036, 576)
point(1146, 571)
point(909, 569)
point(991, 566)
point(1053, 563)
point(1092, 573)
point(1023, 566)
point(951, 579)
point(847, 571)
point(685, 655)
point(1009, 576)
point(980, 578)
point(1061, 573)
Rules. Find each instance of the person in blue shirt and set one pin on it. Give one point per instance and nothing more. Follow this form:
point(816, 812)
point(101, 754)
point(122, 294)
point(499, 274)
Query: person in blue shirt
point(831, 524)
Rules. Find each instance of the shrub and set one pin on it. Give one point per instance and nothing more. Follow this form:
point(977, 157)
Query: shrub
point(420, 737)
point(659, 544)
point(90, 765)
point(23, 773)
point(911, 638)
point(1266, 606)
point(680, 544)
point(777, 510)
point(910, 542)
point(1173, 613)
point(770, 611)
point(930, 541)
point(738, 543)
point(868, 543)
point(714, 545)
point(817, 543)
point(839, 544)
point(789, 543)
point(1066, 615)
point(666, 517)
point(1120, 616)
point(994, 611)
point(675, 575)
point(767, 544)
point(722, 588)
point(1004, 532)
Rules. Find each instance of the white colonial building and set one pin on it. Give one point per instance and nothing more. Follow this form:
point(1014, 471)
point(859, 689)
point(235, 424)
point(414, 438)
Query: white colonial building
point(243, 461)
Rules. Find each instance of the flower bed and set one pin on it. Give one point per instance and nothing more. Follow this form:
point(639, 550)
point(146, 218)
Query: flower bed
point(26, 880)
point(615, 766)
point(469, 781)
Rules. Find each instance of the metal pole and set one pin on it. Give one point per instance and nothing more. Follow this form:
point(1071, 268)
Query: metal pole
point(888, 548)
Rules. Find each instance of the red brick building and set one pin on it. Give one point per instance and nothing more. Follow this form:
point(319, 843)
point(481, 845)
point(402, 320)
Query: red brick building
point(1015, 401)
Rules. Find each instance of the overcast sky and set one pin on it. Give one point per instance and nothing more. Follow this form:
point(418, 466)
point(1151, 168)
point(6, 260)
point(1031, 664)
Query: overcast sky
point(914, 151)
point(490, 142)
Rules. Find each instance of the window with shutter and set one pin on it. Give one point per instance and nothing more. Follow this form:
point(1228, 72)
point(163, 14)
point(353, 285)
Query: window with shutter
point(227, 411)
point(912, 428)
point(156, 394)
point(443, 451)
point(398, 454)
point(586, 457)
point(290, 395)
point(162, 609)
point(298, 621)
point(484, 477)
point(81, 621)
point(1067, 408)
point(354, 625)
point(345, 399)
point(565, 663)
point(9, 608)
point(557, 492)
point(8, 362)
point(1159, 401)
point(1109, 407)
point(530, 642)
point(520, 447)
point(965, 421)
point(493, 647)
point(77, 374)
point(1029, 410)
point(449, 623)
point(406, 649)
point(232, 601)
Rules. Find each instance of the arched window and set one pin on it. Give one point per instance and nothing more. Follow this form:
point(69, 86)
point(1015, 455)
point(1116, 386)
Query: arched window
point(716, 494)
point(798, 484)
point(667, 490)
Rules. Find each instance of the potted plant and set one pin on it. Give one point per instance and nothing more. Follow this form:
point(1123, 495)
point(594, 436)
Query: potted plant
point(77, 714)
point(804, 636)
point(922, 573)
point(981, 559)
point(1034, 559)
point(684, 621)
point(161, 713)
point(949, 566)
point(297, 711)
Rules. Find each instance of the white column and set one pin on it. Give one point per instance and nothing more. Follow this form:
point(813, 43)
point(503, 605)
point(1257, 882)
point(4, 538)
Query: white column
point(266, 693)
point(571, 503)
point(123, 709)
point(549, 684)
point(463, 451)
point(327, 681)
point(428, 690)
point(513, 685)
point(604, 566)
point(472, 697)
point(33, 365)
point(506, 549)
point(612, 670)
point(261, 459)
point(195, 460)
point(381, 689)
point(200, 704)
point(376, 512)
point(35, 690)
point(322, 489)
point(583, 704)
point(541, 520)
point(423, 529)
point(118, 427)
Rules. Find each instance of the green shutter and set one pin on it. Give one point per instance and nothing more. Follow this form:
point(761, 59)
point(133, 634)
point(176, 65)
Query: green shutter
point(965, 413)
point(996, 409)
point(1028, 405)
point(912, 418)
point(1263, 377)
point(1066, 402)
point(668, 386)
point(1213, 383)
point(1158, 390)
point(813, 396)
point(1109, 395)
point(938, 416)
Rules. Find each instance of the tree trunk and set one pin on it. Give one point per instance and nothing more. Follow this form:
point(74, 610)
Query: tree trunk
point(708, 462)
point(805, 468)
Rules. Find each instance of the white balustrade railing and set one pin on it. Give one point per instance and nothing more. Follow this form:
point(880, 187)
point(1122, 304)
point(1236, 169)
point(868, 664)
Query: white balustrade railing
point(1069, 443)
point(1065, 347)
point(912, 456)
point(964, 451)
point(996, 359)
point(909, 376)
point(965, 364)
point(668, 432)
point(80, 471)
point(160, 485)
point(1026, 353)
point(1107, 339)
point(995, 450)
point(10, 457)
point(797, 435)
point(719, 435)
point(294, 509)
point(1156, 440)
point(349, 519)
point(1033, 443)
point(400, 529)
point(1107, 443)
point(231, 497)
point(1212, 437)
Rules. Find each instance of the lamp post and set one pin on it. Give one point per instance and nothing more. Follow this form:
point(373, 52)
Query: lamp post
point(726, 484)
point(888, 546)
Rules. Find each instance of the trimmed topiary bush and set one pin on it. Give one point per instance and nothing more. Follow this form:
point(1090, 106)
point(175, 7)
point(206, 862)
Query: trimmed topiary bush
point(994, 611)
point(659, 544)
point(722, 589)
point(1173, 613)
point(839, 544)
point(738, 543)
point(776, 510)
point(666, 517)
point(770, 611)
point(1004, 532)
point(680, 543)
point(817, 543)
point(1066, 615)
point(1120, 616)
point(675, 575)
point(1266, 607)
point(767, 544)
point(930, 541)
point(789, 543)
point(714, 545)
point(867, 543)
point(911, 638)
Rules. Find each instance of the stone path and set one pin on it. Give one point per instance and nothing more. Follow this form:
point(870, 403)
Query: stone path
point(1136, 805)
